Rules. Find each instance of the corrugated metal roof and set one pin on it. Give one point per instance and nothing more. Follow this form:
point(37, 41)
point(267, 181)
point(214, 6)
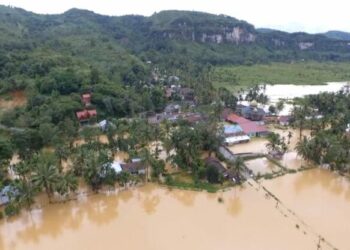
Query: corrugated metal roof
point(247, 125)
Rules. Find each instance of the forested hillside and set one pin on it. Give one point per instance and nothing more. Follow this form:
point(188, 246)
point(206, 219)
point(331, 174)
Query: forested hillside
point(125, 60)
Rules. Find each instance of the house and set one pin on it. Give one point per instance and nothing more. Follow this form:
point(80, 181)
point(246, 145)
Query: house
point(192, 118)
point(268, 119)
point(103, 125)
point(225, 113)
point(232, 130)
point(284, 120)
point(116, 166)
point(252, 129)
point(249, 128)
point(237, 139)
point(134, 167)
point(187, 94)
point(213, 162)
point(6, 193)
point(85, 115)
point(86, 99)
point(172, 108)
point(251, 111)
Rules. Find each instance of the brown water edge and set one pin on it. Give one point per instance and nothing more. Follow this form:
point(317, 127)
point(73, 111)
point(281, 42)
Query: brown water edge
point(321, 199)
point(152, 217)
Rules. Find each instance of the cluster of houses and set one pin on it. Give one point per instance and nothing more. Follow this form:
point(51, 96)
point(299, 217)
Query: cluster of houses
point(240, 128)
point(181, 96)
point(248, 121)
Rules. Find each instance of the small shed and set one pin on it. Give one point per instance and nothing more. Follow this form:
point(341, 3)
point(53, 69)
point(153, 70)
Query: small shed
point(284, 120)
point(213, 162)
point(134, 167)
point(6, 193)
point(86, 99)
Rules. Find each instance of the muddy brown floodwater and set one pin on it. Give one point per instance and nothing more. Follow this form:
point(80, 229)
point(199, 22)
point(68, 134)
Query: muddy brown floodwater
point(153, 217)
point(321, 199)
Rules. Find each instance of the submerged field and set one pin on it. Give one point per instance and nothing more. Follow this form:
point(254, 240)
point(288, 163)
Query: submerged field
point(236, 77)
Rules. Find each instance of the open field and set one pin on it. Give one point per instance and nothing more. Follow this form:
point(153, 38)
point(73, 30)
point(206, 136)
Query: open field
point(236, 77)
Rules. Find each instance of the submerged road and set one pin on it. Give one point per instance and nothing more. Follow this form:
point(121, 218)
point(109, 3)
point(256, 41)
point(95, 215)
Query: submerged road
point(287, 212)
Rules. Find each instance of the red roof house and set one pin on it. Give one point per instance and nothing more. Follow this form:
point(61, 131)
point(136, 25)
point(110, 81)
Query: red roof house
point(249, 127)
point(237, 119)
point(85, 115)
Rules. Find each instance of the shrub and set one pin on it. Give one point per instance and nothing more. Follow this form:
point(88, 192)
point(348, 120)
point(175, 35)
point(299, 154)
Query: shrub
point(11, 209)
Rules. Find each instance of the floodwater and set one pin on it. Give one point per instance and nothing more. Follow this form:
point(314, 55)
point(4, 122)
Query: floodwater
point(262, 166)
point(290, 91)
point(313, 202)
point(321, 199)
point(292, 160)
point(256, 145)
point(152, 217)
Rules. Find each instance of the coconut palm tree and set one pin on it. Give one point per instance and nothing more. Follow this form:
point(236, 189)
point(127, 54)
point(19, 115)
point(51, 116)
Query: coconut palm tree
point(26, 193)
point(147, 159)
point(273, 141)
point(237, 166)
point(23, 169)
point(45, 174)
point(300, 113)
point(303, 148)
point(67, 183)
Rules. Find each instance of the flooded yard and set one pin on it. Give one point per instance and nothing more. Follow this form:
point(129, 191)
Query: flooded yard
point(262, 166)
point(256, 145)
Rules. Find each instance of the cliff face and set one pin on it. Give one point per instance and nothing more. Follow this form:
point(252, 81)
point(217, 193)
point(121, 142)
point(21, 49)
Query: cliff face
point(202, 27)
point(236, 35)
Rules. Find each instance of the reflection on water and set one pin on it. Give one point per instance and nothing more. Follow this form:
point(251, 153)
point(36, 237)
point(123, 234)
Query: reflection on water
point(152, 217)
point(291, 160)
point(321, 199)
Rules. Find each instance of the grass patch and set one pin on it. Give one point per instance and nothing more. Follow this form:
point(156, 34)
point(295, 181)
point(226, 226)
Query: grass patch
point(184, 180)
point(236, 77)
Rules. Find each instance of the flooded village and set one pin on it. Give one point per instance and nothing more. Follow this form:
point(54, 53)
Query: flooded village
point(275, 200)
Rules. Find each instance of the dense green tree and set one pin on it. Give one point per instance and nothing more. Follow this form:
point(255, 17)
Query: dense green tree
point(5, 157)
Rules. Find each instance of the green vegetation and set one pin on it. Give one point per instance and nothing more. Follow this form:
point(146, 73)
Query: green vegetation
point(236, 77)
point(185, 181)
point(328, 117)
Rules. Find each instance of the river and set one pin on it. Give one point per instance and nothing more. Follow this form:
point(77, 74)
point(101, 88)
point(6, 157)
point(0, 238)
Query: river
point(153, 217)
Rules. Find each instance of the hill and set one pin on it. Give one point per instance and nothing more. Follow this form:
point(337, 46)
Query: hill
point(339, 35)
